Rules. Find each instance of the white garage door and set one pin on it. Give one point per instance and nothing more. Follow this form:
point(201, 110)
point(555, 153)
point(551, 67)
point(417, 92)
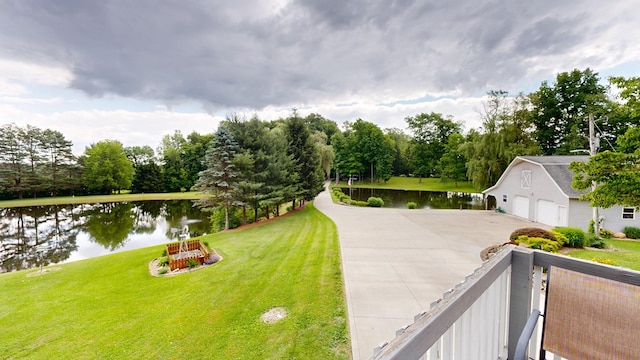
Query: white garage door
point(547, 212)
point(521, 206)
point(550, 213)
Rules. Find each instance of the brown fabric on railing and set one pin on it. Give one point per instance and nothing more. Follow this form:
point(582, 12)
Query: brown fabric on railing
point(588, 317)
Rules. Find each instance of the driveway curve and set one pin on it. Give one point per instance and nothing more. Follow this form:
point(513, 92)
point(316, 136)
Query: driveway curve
point(396, 262)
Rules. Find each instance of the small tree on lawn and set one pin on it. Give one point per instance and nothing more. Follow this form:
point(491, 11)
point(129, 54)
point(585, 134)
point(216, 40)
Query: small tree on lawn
point(220, 178)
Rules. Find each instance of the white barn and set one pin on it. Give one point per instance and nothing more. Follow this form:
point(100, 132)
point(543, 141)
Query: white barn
point(538, 188)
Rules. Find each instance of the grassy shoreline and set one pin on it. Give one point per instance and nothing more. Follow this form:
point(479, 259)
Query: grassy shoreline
point(413, 183)
point(111, 307)
point(92, 199)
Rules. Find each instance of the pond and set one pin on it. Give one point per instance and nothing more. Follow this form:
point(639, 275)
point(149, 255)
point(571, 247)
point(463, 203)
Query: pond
point(43, 235)
point(424, 199)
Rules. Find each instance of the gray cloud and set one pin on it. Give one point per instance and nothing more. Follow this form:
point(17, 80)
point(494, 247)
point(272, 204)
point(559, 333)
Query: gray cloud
point(251, 54)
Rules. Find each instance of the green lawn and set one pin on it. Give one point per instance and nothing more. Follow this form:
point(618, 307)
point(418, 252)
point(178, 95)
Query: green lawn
point(623, 252)
point(110, 307)
point(189, 195)
point(413, 183)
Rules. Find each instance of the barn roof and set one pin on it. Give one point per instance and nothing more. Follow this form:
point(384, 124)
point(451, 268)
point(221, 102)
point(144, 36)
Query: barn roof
point(556, 166)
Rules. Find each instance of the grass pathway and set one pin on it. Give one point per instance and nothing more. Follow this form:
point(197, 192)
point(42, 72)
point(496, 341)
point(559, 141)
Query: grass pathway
point(110, 307)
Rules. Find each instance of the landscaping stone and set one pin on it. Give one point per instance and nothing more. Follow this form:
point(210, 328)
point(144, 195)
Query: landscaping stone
point(619, 235)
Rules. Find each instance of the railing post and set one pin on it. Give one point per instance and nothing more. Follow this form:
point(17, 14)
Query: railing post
point(520, 298)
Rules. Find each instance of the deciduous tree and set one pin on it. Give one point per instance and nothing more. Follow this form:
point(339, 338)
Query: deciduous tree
point(106, 167)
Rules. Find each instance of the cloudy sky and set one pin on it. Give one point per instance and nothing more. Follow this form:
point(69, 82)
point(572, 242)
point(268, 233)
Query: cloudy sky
point(137, 70)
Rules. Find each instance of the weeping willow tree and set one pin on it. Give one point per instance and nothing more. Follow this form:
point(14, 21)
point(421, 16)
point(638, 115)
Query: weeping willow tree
point(506, 133)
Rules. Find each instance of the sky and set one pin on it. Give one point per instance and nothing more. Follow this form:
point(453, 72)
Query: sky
point(135, 71)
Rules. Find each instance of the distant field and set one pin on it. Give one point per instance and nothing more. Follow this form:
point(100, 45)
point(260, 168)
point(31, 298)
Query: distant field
point(623, 252)
point(62, 200)
point(110, 307)
point(413, 183)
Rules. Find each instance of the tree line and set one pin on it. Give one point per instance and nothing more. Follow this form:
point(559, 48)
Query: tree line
point(270, 163)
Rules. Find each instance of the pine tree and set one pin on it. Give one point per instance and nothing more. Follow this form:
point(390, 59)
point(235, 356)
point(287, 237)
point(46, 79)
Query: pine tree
point(306, 157)
point(220, 178)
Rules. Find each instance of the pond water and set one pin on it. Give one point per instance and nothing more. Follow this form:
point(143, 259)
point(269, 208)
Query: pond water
point(43, 235)
point(424, 199)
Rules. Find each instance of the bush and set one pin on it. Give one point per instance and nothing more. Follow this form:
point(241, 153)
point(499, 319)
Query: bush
point(539, 243)
point(411, 205)
point(191, 263)
point(606, 234)
point(163, 271)
point(596, 242)
point(163, 261)
point(344, 198)
point(632, 232)
point(575, 236)
point(375, 202)
point(164, 252)
point(359, 203)
point(562, 240)
point(532, 232)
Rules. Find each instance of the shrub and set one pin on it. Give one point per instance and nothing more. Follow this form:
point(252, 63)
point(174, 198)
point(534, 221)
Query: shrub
point(164, 252)
point(539, 243)
point(575, 236)
point(191, 263)
point(163, 271)
point(604, 261)
point(596, 242)
point(375, 202)
point(411, 205)
point(532, 232)
point(163, 261)
point(344, 198)
point(359, 203)
point(562, 240)
point(606, 234)
point(632, 232)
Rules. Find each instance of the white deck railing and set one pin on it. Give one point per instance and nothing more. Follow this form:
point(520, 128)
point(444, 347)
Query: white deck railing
point(483, 316)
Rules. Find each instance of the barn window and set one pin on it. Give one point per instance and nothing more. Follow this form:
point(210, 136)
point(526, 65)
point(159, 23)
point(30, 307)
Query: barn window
point(629, 213)
point(504, 198)
point(525, 179)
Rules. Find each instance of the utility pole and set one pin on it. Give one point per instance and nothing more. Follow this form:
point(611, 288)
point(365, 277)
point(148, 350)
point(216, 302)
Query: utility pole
point(593, 150)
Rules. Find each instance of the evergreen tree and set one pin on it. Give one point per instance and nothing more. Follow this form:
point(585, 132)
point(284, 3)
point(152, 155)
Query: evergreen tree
point(306, 157)
point(220, 178)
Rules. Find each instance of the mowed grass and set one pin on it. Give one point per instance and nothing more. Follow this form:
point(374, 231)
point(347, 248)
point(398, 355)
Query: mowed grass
point(413, 183)
point(91, 199)
point(625, 253)
point(111, 308)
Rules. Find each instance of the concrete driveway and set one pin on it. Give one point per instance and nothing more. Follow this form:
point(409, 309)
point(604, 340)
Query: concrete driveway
point(396, 262)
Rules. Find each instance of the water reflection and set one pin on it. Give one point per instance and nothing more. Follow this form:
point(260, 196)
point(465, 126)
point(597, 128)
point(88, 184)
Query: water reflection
point(37, 236)
point(424, 199)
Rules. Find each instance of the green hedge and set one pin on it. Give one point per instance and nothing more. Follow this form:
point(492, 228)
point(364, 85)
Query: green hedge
point(576, 237)
point(632, 232)
point(375, 202)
